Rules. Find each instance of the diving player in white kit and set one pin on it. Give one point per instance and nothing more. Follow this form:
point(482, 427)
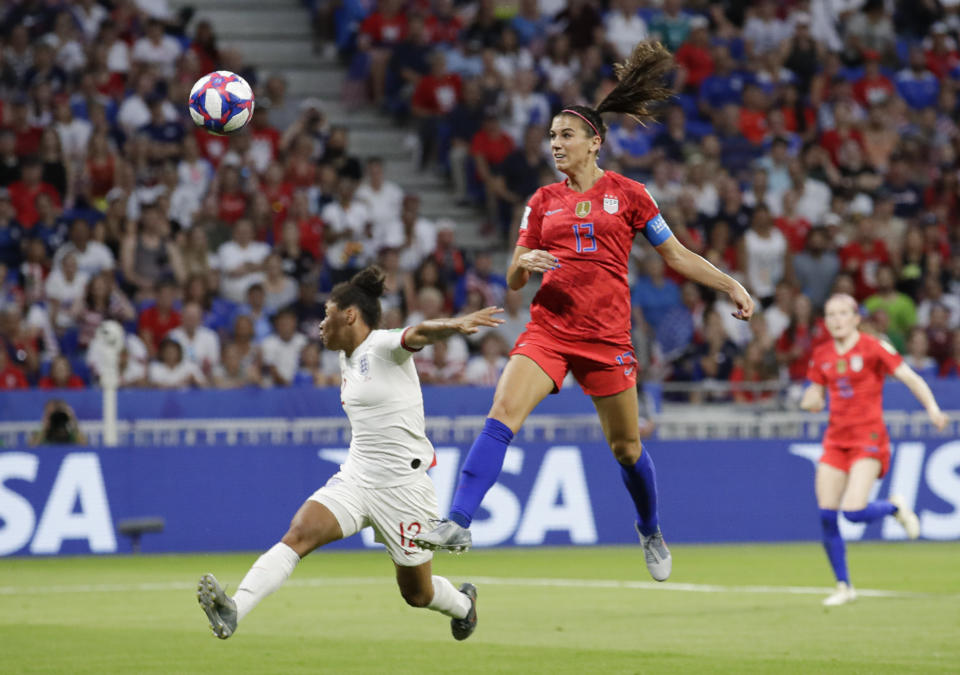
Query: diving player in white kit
point(384, 481)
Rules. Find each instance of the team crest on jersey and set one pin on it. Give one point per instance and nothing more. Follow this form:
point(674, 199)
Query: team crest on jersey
point(856, 363)
point(365, 366)
point(583, 209)
point(611, 204)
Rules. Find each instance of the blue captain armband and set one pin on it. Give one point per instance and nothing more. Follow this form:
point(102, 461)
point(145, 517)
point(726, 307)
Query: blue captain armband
point(657, 231)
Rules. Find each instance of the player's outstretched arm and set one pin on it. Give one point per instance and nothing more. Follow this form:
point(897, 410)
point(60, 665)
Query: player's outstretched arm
point(919, 388)
point(435, 330)
point(527, 261)
point(696, 268)
point(813, 398)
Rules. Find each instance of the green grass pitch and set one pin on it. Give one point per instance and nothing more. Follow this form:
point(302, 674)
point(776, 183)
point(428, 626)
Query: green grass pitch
point(583, 611)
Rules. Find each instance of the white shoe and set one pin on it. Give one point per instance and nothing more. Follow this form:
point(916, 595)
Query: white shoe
point(656, 554)
point(841, 596)
point(906, 517)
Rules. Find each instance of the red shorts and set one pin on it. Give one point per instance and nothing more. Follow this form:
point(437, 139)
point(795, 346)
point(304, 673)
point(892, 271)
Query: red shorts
point(601, 368)
point(843, 455)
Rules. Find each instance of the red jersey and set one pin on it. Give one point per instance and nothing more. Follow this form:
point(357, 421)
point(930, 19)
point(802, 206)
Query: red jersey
point(157, 326)
point(855, 382)
point(587, 297)
point(868, 259)
point(437, 95)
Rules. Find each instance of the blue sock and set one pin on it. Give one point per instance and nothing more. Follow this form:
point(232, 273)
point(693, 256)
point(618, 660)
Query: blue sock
point(641, 482)
point(833, 544)
point(480, 470)
point(873, 511)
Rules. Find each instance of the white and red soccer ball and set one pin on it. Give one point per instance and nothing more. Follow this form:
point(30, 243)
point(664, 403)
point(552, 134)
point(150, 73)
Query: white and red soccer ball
point(221, 102)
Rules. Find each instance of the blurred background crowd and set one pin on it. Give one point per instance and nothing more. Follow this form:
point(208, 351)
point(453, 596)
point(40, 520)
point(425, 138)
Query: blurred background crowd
point(812, 147)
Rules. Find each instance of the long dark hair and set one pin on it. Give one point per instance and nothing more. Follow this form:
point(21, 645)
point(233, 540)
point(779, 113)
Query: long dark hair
point(641, 85)
point(363, 291)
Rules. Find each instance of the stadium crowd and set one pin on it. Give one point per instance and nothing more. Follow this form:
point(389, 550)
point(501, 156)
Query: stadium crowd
point(812, 147)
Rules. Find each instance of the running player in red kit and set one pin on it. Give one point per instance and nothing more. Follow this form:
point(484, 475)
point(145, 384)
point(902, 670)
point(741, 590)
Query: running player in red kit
point(579, 233)
point(856, 448)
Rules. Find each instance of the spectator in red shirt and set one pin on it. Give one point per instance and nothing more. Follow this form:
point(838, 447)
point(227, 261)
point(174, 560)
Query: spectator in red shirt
point(694, 57)
point(842, 131)
point(753, 114)
point(28, 136)
point(204, 45)
point(942, 57)
point(231, 199)
point(489, 146)
point(752, 367)
point(794, 226)
point(862, 257)
point(874, 87)
point(796, 343)
point(379, 32)
point(443, 24)
point(23, 193)
point(951, 367)
point(436, 95)
point(161, 318)
point(280, 195)
point(61, 376)
point(264, 137)
point(11, 377)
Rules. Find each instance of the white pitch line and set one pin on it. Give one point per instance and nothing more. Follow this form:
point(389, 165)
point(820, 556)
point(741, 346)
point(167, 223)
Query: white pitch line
point(492, 581)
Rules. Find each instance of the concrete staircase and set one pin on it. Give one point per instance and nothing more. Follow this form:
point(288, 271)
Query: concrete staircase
point(276, 36)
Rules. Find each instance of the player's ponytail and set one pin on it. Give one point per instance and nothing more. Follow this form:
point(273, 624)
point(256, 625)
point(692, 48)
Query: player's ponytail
point(363, 291)
point(641, 85)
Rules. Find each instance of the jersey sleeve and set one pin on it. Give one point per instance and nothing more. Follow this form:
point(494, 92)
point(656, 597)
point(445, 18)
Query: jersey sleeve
point(648, 219)
point(390, 345)
point(887, 355)
point(531, 221)
point(815, 374)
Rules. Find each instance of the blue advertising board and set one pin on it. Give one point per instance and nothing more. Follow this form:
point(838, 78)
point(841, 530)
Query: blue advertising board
point(223, 498)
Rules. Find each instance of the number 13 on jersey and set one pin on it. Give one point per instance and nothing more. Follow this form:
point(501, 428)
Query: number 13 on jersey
point(586, 242)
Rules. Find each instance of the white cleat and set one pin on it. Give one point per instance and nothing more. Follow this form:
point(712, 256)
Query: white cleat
point(843, 595)
point(906, 517)
point(656, 554)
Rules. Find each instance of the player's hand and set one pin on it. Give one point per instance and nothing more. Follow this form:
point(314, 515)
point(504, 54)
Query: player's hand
point(538, 261)
point(743, 301)
point(471, 323)
point(939, 420)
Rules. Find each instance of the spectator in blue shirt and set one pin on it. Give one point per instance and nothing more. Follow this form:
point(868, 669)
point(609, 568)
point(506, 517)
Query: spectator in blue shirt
point(11, 233)
point(654, 294)
point(724, 86)
point(917, 85)
point(528, 24)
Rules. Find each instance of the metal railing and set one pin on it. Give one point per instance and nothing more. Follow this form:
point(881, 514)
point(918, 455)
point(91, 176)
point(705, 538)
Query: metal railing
point(674, 423)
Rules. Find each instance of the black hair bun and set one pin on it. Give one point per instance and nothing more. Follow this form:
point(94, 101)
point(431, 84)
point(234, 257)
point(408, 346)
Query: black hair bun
point(370, 280)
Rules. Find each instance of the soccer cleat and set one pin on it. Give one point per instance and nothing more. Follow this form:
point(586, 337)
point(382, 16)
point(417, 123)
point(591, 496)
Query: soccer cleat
point(220, 608)
point(906, 517)
point(446, 536)
point(841, 596)
point(657, 555)
point(463, 628)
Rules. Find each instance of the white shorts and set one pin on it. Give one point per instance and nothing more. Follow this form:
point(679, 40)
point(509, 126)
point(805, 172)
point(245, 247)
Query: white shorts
point(396, 513)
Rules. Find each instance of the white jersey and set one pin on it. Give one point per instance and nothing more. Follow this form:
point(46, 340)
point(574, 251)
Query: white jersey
point(380, 392)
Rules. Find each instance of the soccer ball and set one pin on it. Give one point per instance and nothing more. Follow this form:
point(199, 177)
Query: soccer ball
point(221, 102)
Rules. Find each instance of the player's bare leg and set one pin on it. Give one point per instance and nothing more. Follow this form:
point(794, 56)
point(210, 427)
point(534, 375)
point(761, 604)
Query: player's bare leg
point(619, 417)
point(522, 386)
point(312, 526)
point(856, 508)
point(830, 485)
point(420, 588)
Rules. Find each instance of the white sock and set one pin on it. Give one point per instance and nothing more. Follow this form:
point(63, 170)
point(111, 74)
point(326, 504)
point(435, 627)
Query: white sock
point(448, 600)
point(266, 576)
